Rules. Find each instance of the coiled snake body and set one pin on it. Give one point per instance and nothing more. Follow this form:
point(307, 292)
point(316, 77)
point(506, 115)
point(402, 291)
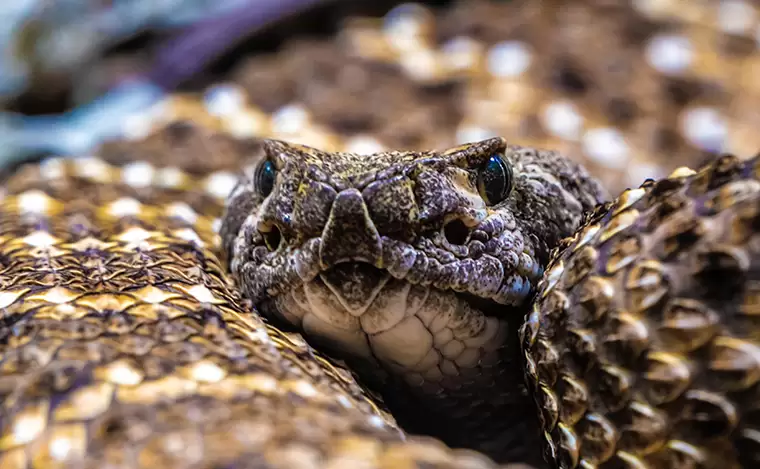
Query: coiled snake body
point(125, 342)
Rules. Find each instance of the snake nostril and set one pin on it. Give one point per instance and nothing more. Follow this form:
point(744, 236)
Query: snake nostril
point(456, 232)
point(272, 238)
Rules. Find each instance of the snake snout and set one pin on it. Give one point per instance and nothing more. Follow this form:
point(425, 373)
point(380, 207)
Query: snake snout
point(349, 234)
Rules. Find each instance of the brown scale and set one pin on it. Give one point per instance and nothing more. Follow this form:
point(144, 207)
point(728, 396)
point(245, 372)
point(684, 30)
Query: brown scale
point(195, 142)
point(123, 343)
point(352, 95)
point(603, 71)
point(643, 348)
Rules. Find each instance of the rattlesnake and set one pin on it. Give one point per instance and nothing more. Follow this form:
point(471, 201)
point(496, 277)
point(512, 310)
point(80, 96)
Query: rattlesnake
point(125, 342)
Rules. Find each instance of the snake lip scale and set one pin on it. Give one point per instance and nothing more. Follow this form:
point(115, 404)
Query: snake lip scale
point(413, 267)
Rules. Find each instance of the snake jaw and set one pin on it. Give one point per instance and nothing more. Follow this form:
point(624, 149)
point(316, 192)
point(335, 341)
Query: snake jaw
point(423, 335)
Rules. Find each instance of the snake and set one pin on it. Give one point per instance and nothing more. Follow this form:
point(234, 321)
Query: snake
point(204, 293)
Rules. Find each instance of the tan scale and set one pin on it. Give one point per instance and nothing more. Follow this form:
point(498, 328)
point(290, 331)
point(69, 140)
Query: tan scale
point(643, 347)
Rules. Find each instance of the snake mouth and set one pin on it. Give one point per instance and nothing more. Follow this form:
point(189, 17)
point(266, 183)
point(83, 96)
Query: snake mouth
point(362, 313)
point(356, 286)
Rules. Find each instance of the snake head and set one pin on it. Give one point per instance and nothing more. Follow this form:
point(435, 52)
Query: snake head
point(414, 267)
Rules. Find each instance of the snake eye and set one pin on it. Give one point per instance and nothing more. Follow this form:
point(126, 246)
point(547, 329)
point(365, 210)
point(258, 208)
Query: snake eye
point(495, 180)
point(264, 178)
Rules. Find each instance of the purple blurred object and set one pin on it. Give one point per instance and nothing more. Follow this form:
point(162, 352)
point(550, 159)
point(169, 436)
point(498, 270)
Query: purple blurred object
point(190, 51)
point(77, 131)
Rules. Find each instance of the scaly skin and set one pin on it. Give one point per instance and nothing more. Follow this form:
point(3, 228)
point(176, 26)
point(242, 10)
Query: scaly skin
point(123, 343)
point(395, 263)
point(643, 348)
point(503, 105)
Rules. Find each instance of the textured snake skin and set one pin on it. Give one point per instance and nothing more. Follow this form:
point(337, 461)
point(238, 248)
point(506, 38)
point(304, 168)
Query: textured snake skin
point(643, 349)
point(123, 342)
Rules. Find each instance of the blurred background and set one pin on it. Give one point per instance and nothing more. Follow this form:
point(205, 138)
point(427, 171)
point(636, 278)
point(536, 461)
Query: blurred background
point(631, 88)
